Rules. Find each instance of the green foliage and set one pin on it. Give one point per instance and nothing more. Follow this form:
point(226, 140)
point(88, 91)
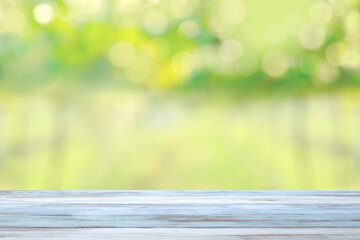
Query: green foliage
point(179, 45)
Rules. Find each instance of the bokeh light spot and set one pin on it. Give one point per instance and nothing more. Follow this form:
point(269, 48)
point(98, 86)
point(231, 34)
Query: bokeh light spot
point(189, 29)
point(311, 36)
point(232, 12)
point(326, 72)
point(155, 22)
point(127, 6)
point(275, 63)
point(44, 12)
point(230, 50)
point(320, 12)
point(337, 54)
point(122, 54)
point(91, 7)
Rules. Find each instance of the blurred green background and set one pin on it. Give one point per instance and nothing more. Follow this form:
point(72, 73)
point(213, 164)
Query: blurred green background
point(180, 94)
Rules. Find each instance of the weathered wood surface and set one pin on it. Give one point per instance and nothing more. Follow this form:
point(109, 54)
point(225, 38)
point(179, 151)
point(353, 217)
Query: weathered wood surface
point(180, 214)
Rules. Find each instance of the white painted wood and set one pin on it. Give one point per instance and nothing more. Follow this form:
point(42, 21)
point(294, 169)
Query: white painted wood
point(180, 197)
point(179, 233)
point(180, 214)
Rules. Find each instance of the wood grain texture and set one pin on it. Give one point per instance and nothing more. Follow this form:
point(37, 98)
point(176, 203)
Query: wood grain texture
point(180, 214)
point(180, 233)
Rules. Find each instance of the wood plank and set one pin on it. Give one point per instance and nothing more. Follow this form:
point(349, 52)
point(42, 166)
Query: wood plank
point(180, 197)
point(214, 216)
point(180, 233)
point(180, 214)
point(103, 193)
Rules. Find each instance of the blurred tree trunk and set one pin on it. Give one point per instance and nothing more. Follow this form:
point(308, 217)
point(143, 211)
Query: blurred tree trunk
point(4, 151)
point(339, 107)
point(302, 148)
point(346, 109)
point(356, 133)
point(59, 143)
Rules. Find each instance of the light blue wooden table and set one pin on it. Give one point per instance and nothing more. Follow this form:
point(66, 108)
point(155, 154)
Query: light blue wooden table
point(180, 214)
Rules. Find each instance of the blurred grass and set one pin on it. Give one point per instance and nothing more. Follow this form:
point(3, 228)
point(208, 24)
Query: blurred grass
point(132, 140)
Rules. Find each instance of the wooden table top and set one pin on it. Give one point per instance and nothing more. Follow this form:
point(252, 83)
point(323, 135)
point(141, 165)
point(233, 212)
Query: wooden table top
point(180, 214)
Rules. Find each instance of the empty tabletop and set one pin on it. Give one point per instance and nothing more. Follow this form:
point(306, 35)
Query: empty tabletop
point(180, 214)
